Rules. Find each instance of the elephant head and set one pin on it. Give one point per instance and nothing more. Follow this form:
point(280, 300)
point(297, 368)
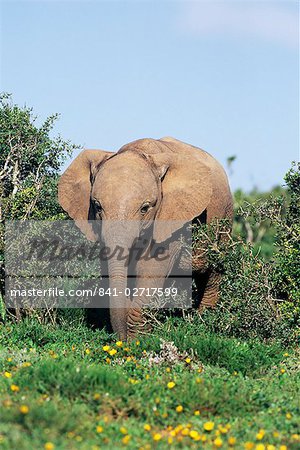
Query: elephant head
point(146, 181)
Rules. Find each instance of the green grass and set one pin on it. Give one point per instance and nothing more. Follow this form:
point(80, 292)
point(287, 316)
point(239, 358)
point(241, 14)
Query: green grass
point(70, 388)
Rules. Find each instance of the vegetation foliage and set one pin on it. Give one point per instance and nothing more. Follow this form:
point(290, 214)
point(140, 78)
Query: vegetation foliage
point(30, 160)
point(259, 291)
point(70, 387)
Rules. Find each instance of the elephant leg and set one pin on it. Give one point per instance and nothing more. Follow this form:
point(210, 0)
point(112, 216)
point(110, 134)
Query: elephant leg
point(211, 291)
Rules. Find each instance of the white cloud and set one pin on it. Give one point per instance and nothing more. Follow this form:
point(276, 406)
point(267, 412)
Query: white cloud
point(268, 20)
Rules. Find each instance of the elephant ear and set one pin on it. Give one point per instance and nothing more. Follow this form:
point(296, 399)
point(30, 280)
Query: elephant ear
point(186, 185)
point(74, 189)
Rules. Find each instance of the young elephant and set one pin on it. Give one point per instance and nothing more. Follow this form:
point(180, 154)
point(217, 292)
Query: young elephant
point(161, 181)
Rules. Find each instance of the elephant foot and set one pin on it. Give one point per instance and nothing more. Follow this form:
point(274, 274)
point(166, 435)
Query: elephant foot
point(211, 292)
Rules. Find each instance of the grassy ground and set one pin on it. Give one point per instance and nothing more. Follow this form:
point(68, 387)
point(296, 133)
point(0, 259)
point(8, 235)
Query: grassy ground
point(74, 388)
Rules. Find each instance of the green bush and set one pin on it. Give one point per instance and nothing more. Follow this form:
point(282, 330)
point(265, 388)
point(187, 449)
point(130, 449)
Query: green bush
point(260, 232)
point(246, 308)
point(287, 258)
point(30, 161)
point(259, 297)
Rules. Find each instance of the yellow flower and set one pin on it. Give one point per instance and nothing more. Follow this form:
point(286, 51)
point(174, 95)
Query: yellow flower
point(168, 369)
point(249, 445)
point(170, 440)
point(112, 352)
point(108, 360)
point(14, 388)
point(171, 384)
point(179, 408)
point(194, 434)
point(271, 447)
point(147, 427)
point(209, 426)
point(7, 374)
point(24, 409)
point(49, 446)
point(296, 437)
point(188, 360)
point(185, 432)
point(231, 440)
point(105, 348)
point(275, 434)
point(96, 396)
point(99, 429)
point(199, 380)
point(282, 370)
point(197, 412)
point(123, 430)
point(9, 359)
point(260, 447)
point(286, 354)
point(157, 437)
point(147, 377)
point(73, 348)
point(119, 343)
point(260, 436)
point(288, 416)
point(137, 343)
point(87, 351)
point(222, 429)
point(26, 364)
point(126, 439)
point(283, 447)
point(218, 442)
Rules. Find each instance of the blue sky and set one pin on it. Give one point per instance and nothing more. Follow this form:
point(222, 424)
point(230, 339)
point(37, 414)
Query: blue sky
point(220, 75)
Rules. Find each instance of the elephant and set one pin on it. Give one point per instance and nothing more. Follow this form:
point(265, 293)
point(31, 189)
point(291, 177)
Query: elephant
point(154, 181)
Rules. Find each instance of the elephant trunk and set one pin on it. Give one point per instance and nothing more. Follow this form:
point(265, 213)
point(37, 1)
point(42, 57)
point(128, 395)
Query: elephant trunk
point(118, 301)
point(119, 237)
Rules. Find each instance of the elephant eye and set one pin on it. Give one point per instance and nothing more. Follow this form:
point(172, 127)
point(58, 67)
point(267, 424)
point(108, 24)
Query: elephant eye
point(145, 208)
point(97, 206)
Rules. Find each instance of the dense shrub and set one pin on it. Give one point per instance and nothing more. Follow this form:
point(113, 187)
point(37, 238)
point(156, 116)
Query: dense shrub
point(30, 160)
point(287, 258)
point(258, 231)
point(259, 297)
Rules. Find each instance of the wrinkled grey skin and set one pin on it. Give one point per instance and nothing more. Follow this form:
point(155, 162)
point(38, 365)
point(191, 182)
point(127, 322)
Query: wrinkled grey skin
point(145, 181)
